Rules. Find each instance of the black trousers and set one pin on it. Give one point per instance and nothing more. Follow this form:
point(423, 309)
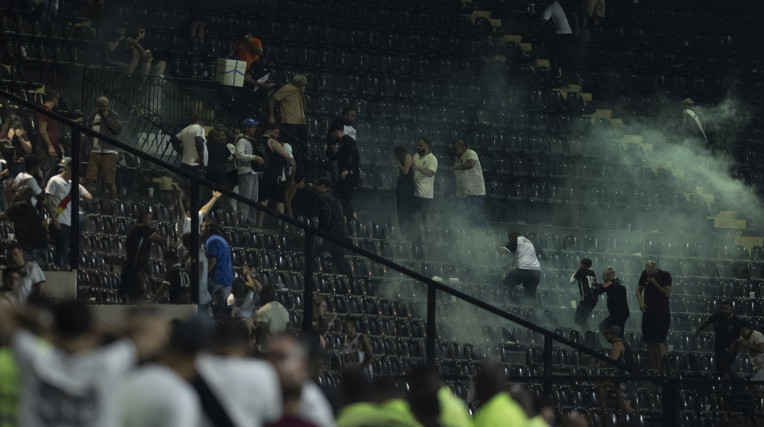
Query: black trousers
point(584, 311)
point(613, 321)
point(528, 278)
point(560, 54)
point(344, 189)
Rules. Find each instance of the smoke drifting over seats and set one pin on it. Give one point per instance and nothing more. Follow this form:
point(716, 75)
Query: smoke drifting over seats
point(619, 195)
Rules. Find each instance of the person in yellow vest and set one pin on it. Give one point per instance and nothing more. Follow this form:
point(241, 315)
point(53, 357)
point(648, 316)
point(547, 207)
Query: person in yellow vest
point(498, 408)
point(386, 409)
point(391, 403)
point(434, 405)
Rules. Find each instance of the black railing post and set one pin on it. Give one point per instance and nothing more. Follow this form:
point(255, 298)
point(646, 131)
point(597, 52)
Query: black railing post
point(670, 402)
point(307, 299)
point(74, 194)
point(429, 340)
point(195, 238)
point(547, 365)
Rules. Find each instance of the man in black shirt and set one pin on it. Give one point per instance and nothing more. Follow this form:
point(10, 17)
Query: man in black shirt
point(348, 165)
point(727, 329)
point(31, 234)
point(587, 282)
point(345, 123)
point(138, 249)
point(176, 280)
point(332, 221)
point(617, 305)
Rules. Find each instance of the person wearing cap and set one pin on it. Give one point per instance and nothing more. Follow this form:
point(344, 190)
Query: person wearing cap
point(331, 221)
point(726, 329)
point(194, 142)
point(104, 156)
point(470, 185)
point(621, 352)
point(58, 189)
point(753, 342)
point(249, 162)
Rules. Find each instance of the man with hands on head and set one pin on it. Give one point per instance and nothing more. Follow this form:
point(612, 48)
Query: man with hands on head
point(753, 342)
point(656, 312)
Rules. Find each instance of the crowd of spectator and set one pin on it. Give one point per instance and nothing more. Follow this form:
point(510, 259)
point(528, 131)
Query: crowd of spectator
point(148, 370)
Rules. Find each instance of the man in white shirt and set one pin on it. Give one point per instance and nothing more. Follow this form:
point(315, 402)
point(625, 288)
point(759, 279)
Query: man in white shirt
point(70, 381)
point(58, 189)
point(528, 269)
point(561, 43)
point(753, 342)
point(31, 275)
point(470, 186)
point(425, 165)
point(302, 398)
point(160, 394)
point(245, 391)
point(194, 147)
point(104, 156)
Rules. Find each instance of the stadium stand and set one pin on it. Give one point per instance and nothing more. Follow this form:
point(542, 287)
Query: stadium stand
point(592, 169)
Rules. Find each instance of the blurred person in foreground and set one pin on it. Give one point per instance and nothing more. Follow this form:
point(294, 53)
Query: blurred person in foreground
point(364, 405)
point(69, 376)
point(303, 401)
point(433, 404)
point(235, 389)
point(160, 393)
point(497, 408)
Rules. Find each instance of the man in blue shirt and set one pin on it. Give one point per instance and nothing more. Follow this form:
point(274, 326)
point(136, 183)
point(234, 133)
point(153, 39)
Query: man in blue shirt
point(219, 266)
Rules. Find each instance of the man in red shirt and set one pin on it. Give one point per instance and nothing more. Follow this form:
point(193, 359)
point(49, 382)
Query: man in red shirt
point(48, 146)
